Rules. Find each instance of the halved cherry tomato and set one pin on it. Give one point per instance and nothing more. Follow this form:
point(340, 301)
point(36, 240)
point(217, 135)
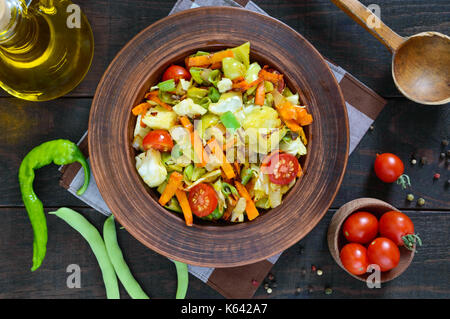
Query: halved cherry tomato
point(176, 72)
point(399, 228)
point(282, 168)
point(383, 252)
point(360, 227)
point(202, 199)
point(354, 258)
point(159, 140)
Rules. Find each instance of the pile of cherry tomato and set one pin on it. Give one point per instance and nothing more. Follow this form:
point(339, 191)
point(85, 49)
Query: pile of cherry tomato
point(373, 241)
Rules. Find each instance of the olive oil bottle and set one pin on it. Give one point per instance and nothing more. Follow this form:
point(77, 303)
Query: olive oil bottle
point(46, 48)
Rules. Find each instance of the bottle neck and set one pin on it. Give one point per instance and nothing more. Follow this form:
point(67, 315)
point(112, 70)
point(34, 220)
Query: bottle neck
point(20, 34)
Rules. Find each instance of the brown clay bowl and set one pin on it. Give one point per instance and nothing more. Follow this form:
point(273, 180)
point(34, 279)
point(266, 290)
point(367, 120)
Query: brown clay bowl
point(336, 239)
point(141, 63)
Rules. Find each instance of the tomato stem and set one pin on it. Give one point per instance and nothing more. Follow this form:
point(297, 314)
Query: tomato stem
point(404, 181)
point(411, 240)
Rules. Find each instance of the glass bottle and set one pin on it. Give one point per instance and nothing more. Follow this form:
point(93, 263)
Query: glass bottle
point(46, 48)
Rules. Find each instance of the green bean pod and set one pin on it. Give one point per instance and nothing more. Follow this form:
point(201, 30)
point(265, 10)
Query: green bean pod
point(120, 266)
point(95, 241)
point(183, 279)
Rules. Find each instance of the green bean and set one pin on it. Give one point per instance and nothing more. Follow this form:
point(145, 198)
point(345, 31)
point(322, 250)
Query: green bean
point(120, 266)
point(95, 241)
point(183, 279)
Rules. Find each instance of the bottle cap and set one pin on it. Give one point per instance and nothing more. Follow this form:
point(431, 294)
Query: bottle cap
point(5, 14)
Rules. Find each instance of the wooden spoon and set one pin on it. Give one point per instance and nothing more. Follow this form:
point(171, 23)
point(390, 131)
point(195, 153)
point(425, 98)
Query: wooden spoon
point(420, 63)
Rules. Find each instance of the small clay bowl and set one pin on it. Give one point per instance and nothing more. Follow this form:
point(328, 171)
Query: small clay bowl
point(336, 239)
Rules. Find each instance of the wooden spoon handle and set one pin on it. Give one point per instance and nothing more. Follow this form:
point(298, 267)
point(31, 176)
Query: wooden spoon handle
point(371, 23)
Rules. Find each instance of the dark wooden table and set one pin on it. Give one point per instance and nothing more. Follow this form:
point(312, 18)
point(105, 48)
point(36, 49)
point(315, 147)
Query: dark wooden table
point(404, 128)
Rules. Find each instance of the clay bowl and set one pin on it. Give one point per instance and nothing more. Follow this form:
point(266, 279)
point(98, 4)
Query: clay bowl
point(336, 239)
point(140, 64)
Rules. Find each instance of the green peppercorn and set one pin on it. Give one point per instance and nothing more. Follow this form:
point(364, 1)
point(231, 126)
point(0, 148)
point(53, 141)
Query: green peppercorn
point(328, 291)
point(421, 202)
point(410, 197)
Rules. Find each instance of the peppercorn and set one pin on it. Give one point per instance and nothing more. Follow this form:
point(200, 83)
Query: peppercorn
point(254, 282)
point(266, 285)
point(410, 197)
point(421, 202)
point(270, 276)
point(413, 161)
point(313, 268)
point(371, 128)
point(442, 155)
point(328, 291)
point(437, 176)
point(319, 272)
point(423, 160)
point(269, 290)
point(298, 290)
point(444, 142)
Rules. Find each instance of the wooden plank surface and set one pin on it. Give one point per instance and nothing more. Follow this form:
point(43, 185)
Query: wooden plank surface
point(424, 279)
point(404, 128)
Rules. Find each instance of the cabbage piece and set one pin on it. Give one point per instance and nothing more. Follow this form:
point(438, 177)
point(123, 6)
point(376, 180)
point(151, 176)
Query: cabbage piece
point(224, 85)
point(294, 147)
point(230, 101)
point(261, 117)
point(294, 99)
point(185, 85)
point(207, 178)
point(221, 203)
point(261, 188)
point(275, 195)
point(183, 146)
point(237, 215)
point(150, 168)
point(159, 118)
point(232, 68)
point(242, 53)
point(189, 108)
point(252, 72)
point(139, 134)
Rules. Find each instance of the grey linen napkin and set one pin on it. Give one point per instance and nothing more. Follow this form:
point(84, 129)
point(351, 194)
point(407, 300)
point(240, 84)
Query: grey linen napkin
point(363, 106)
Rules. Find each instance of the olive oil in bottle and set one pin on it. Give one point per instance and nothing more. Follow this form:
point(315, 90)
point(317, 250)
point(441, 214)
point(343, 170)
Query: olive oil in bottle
point(46, 48)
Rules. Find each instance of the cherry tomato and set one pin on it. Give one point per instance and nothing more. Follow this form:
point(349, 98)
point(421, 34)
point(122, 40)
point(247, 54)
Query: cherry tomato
point(282, 168)
point(383, 252)
point(202, 199)
point(176, 72)
point(360, 227)
point(159, 140)
point(399, 228)
point(354, 258)
point(388, 167)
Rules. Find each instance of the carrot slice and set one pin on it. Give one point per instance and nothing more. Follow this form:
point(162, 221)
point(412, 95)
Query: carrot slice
point(210, 59)
point(141, 109)
point(199, 149)
point(174, 182)
point(156, 99)
point(186, 123)
point(227, 168)
point(260, 94)
point(184, 204)
point(269, 76)
point(300, 170)
point(306, 119)
point(252, 211)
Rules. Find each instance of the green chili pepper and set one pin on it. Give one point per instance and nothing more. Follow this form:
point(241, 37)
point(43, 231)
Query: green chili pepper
point(228, 189)
point(183, 279)
point(214, 77)
point(205, 102)
point(196, 74)
point(120, 266)
point(60, 152)
point(247, 174)
point(230, 121)
point(188, 170)
point(213, 94)
point(168, 85)
point(95, 241)
point(173, 205)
